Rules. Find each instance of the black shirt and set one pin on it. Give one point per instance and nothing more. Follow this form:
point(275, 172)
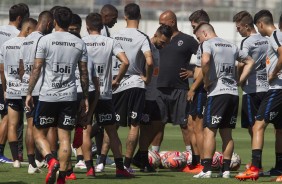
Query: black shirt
point(173, 57)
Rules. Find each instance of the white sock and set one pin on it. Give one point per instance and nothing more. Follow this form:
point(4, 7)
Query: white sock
point(188, 148)
point(156, 148)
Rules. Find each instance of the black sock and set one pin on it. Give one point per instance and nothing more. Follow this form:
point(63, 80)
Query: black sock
point(137, 155)
point(14, 150)
point(79, 157)
point(2, 148)
point(226, 165)
point(69, 172)
point(195, 159)
point(119, 163)
point(62, 174)
point(89, 164)
point(38, 155)
point(144, 159)
point(256, 157)
point(102, 159)
point(48, 157)
point(127, 162)
point(54, 153)
point(207, 164)
point(278, 161)
point(31, 160)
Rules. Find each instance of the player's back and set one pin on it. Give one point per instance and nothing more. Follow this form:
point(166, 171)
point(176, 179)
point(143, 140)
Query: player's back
point(7, 32)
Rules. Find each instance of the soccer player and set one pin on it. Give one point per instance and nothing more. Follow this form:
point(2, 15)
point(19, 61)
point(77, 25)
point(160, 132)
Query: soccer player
point(197, 96)
point(57, 55)
point(27, 54)
point(218, 67)
point(100, 50)
point(9, 69)
point(172, 88)
point(17, 13)
point(256, 85)
point(270, 108)
point(129, 97)
point(109, 15)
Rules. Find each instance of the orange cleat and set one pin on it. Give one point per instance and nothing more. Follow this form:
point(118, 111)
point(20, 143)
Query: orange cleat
point(193, 169)
point(91, 172)
point(72, 176)
point(251, 173)
point(123, 174)
point(54, 166)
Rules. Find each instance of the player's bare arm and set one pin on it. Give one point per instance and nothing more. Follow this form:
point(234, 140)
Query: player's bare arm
point(195, 85)
point(240, 67)
point(249, 64)
point(149, 67)
point(21, 69)
point(205, 62)
point(278, 66)
point(84, 80)
point(185, 73)
point(122, 70)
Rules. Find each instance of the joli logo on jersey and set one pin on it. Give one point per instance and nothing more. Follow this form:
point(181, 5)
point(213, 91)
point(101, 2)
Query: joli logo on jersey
point(13, 70)
point(62, 69)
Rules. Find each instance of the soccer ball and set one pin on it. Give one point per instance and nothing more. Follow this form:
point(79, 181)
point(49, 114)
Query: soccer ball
point(188, 157)
point(217, 161)
point(162, 153)
point(154, 159)
point(235, 162)
point(173, 160)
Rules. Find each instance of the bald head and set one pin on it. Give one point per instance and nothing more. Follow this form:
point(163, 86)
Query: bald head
point(109, 15)
point(108, 8)
point(168, 18)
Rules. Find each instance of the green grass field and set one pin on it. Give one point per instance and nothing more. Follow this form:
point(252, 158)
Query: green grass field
point(172, 141)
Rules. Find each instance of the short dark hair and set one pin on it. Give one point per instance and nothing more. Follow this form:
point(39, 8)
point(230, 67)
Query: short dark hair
point(263, 15)
point(94, 22)
point(45, 14)
point(199, 16)
point(244, 17)
point(132, 11)
point(63, 16)
point(16, 10)
point(29, 20)
point(76, 20)
point(108, 7)
point(54, 8)
point(165, 30)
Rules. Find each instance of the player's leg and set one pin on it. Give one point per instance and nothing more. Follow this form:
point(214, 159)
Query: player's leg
point(52, 137)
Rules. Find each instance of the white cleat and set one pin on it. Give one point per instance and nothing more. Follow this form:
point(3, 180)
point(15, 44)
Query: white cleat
point(225, 174)
point(80, 165)
point(99, 168)
point(16, 164)
point(42, 164)
point(203, 175)
point(32, 170)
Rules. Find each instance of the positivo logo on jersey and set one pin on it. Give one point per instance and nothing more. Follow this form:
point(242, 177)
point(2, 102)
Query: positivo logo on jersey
point(13, 70)
point(62, 68)
point(105, 117)
point(46, 120)
point(69, 121)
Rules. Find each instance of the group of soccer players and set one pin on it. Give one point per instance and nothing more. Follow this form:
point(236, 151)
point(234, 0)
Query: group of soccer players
point(126, 79)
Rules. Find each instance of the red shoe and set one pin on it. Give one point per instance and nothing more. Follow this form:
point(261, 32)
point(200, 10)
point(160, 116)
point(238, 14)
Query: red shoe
point(123, 174)
point(72, 176)
point(251, 173)
point(78, 137)
point(193, 169)
point(91, 172)
point(61, 181)
point(54, 166)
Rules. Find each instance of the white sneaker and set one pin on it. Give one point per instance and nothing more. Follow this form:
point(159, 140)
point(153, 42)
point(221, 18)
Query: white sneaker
point(16, 164)
point(80, 165)
point(99, 168)
point(42, 164)
point(129, 169)
point(225, 174)
point(73, 150)
point(203, 175)
point(32, 170)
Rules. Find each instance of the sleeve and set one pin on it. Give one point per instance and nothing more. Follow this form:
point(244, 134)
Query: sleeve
point(194, 46)
point(84, 55)
point(245, 46)
point(117, 48)
point(206, 48)
point(146, 45)
point(41, 48)
point(199, 56)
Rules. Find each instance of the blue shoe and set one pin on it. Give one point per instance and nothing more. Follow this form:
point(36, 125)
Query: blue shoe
point(4, 159)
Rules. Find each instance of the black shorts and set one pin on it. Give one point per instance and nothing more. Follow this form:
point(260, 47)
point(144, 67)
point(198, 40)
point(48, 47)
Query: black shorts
point(15, 104)
point(221, 111)
point(250, 105)
point(3, 103)
point(197, 106)
point(31, 113)
point(151, 112)
point(105, 113)
point(271, 108)
point(81, 119)
point(173, 104)
point(129, 105)
point(55, 114)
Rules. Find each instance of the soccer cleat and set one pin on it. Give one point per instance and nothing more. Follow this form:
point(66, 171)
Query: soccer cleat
point(99, 168)
point(41, 164)
point(20, 157)
point(148, 168)
point(193, 169)
point(91, 172)
point(32, 170)
point(80, 165)
point(273, 172)
point(123, 174)
point(61, 181)
point(251, 173)
point(203, 175)
point(16, 164)
point(72, 176)
point(225, 174)
point(129, 169)
point(54, 166)
point(4, 159)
